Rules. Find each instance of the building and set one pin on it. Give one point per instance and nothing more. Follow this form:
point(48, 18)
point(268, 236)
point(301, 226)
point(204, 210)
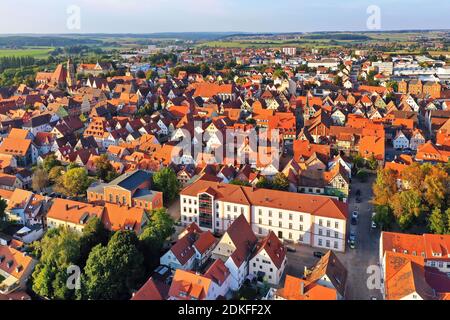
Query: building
point(301, 289)
point(15, 269)
point(131, 189)
point(214, 283)
point(415, 267)
point(191, 251)
point(72, 214)
point(269, 260)
point(315, 220)
point(290, 51)
point(235, 249)
point(331, 273)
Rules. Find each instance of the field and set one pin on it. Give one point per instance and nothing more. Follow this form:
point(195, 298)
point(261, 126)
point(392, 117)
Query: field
point(36, 52)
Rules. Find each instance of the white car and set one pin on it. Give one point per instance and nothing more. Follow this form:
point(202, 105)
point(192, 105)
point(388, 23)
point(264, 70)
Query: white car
point(355, 214)
point(374, 225)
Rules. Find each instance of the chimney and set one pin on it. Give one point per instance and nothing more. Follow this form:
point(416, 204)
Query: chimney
point(67, 207)
point(302, 288)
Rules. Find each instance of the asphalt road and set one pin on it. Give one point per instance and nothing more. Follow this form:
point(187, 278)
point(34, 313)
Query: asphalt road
point(355, 260)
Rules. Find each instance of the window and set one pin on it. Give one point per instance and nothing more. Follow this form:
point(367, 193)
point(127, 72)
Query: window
point(270, 213)
point(328, 233)
point(184, 200)
point(280, 224)
point(300, 227)
point(327, 243)
point(320, 232)
point(320, 242)
point(235, 209)
point(242, 210)
point(190, 201)
point(301, 218)
point(270, 222)
point(290, 236)
point(260, 221)
point(290, 226)
point(260, 231)
point(336, 225)
point(228, 207)
point(320, 222)
point(336, 234)
point(259, 211)
point(290, 216)
point(280, 215)
point(300, 238)
point(328, 223)
point(336, 245)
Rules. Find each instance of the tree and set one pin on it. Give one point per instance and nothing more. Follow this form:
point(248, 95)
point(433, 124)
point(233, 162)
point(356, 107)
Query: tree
point(55, 173)
point(383, 216)
point(94, 233)
point(238, 182)
point(75, 181)
point(372, 163)
point(105, 170)
point(362, 175)
point(59, 249)
point(50, 162)
point(413, 176)
point(280, 182)
point(3, 205)
point(384, 187)
point(113, 271)
point(165, 180)
point(436, 186)
point(406, 206)
point(39, 180)
point(160, 227)
point(437, 222)
point(264, 183)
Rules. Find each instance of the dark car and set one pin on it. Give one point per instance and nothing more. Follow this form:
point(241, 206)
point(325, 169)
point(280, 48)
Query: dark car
point(358, 193)
point(358, 200)
point(291, 249)
point(318, 254)
point(354, 221)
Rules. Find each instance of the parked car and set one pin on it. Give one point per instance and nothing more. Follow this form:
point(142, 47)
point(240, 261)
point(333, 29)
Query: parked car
point(358, 193)
point(352, 244)
point(373, 225)
point(358, 200)
point(353, 221)
point(291, 249)
point(318, 254)
point(355, 214)
point(352, 236)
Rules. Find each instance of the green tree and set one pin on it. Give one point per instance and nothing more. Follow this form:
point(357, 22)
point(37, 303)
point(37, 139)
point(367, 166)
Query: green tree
point(3, 205)
point(160, 227)
point(264, 183)
point(383, 217)
point(238, 182)
point(165, 180)
point(104, 168)
point(75, 181)
point(280, 182)
point(406, 206)
point(113, 271)
point(59, 249)
point(55, 173)
point(49, 162)
point(437, 222)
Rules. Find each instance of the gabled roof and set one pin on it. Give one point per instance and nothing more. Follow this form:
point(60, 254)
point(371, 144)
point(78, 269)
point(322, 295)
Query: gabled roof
point(274, 248)
point(330, 266)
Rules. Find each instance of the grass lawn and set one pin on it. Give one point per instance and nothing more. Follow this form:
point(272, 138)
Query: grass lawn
point(36, 52)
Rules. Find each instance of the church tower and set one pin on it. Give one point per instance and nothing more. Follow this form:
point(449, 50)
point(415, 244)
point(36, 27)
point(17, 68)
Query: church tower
point(70, 73)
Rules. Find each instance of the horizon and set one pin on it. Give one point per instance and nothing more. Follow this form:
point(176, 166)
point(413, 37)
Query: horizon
point(251, 16)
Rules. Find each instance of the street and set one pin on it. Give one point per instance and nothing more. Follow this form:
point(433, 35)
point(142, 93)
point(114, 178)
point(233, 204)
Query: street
point(355, 260)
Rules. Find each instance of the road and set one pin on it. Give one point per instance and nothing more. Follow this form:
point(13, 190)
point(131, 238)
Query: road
point(355, 260)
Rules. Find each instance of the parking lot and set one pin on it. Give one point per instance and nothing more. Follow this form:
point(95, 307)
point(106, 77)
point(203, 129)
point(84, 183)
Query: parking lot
point(355, 260)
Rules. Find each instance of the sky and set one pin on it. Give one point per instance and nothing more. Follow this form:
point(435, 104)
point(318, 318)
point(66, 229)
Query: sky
point(149, 16)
